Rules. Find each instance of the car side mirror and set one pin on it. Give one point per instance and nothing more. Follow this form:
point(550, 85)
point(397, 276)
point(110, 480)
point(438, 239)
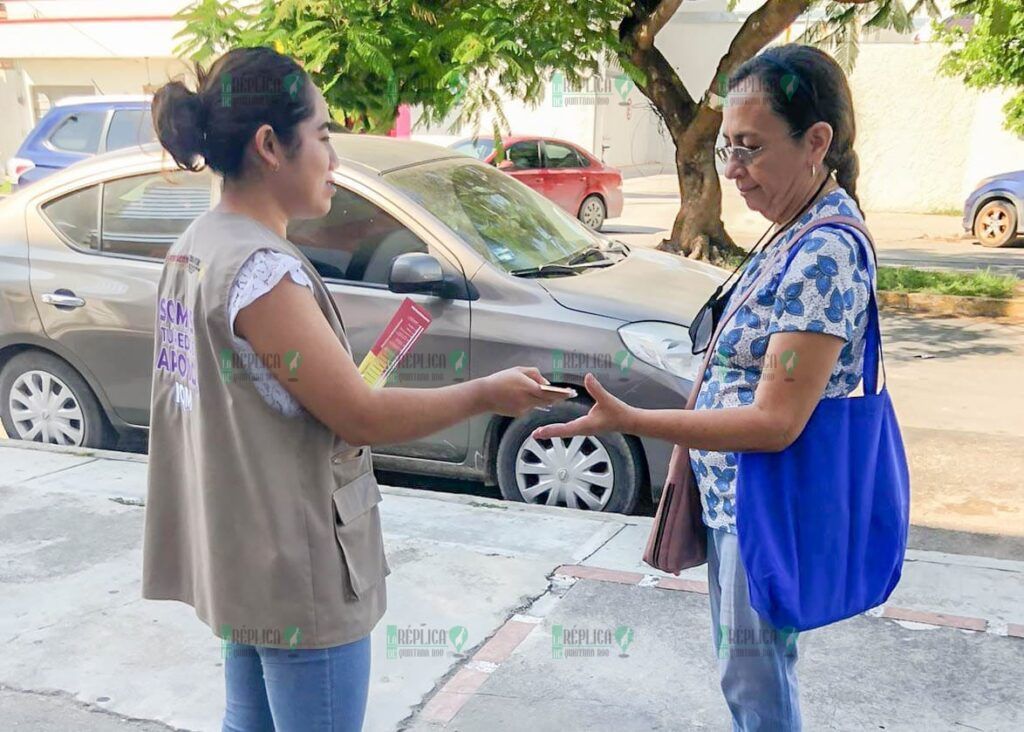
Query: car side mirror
point(416, 272)
point(421, 273)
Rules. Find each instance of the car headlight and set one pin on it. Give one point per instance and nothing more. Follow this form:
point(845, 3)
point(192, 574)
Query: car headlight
point(665, 346)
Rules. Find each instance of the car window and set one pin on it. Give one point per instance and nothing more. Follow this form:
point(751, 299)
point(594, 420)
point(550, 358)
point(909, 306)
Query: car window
point(511, 225)
point(478, 147)
point(561, 156)
point(145, 214)
point(524, 154)
point(80, 132)
point(356, 241)
point(76, 216)
point(130, 127)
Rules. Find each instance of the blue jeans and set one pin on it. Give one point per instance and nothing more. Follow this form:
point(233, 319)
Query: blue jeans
point(756, 661)
point(303, 690)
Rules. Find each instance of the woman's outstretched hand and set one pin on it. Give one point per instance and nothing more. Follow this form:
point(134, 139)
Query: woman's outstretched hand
point(607, 415)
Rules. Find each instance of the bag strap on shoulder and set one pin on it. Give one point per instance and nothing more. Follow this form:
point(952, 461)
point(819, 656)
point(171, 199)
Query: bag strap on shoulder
point(873, 357)
point(873, 338)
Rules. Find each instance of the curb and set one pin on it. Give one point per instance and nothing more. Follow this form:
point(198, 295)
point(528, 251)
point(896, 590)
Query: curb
point(90, 452)
point(1012, 309)
point(891, 612)
point(429, 495)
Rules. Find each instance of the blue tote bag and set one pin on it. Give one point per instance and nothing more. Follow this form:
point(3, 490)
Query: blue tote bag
point(823, 524)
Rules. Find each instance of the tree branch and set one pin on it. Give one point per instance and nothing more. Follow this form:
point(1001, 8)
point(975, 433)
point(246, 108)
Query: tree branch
point(664, 88)
point(757, 31)
point(654, 22)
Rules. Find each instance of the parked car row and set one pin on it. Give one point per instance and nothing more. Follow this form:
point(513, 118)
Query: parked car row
point(76, 128)
point(79, 127)
point(508, 277)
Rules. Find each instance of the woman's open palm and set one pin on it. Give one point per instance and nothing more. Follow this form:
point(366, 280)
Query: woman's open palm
point(608, 414)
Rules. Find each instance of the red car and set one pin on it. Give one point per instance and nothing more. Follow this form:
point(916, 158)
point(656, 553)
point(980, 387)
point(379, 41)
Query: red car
point(558, 170)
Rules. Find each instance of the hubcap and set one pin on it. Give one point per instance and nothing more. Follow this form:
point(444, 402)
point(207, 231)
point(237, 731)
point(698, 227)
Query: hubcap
point(577, 473)
point(994, 224)
point(592, 215)
point(44, 409)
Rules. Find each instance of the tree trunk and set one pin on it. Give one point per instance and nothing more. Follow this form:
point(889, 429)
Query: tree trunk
point(698, 231)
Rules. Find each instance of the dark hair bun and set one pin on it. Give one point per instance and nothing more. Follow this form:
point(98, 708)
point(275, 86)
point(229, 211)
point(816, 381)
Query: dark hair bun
point(180, 123)
point(243, 90)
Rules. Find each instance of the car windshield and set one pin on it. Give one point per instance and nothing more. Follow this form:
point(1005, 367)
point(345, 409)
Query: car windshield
point(502, 219)
point(477, 147)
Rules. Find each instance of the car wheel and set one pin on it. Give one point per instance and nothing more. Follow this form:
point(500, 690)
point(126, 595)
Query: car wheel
point(995, 225)
point(45, 400)
point(592, 212)
point(599, 473)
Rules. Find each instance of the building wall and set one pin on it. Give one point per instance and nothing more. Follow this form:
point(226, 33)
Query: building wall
point(992, 148)
point(622, 130)
point(13, 124)
point(924, 140)
point(574, 123)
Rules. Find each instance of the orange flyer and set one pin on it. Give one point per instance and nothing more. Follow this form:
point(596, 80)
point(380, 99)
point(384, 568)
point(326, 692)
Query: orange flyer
point(408, 324)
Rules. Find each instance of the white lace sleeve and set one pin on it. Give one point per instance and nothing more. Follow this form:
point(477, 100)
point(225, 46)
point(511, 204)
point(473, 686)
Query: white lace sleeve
point(256, 277)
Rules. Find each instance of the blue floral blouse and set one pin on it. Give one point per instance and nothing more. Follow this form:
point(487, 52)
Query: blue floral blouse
point(824, 290)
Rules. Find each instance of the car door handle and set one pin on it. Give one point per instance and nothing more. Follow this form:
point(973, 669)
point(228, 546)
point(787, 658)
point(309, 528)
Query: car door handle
point(63, 299)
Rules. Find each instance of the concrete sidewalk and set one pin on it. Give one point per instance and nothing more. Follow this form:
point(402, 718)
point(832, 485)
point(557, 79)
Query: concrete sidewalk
point(84, 652)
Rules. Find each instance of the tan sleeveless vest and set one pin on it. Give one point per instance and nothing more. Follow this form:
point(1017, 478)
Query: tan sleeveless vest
point(267, 525)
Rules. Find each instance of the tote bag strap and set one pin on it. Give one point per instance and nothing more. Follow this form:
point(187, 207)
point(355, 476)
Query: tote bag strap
point(766, 268)
point(789, 250)
point(873, 356)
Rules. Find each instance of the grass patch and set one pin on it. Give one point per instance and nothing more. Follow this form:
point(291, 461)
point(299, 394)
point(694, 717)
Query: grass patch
point(731, 261)
point(964, 284)
point(947, 211)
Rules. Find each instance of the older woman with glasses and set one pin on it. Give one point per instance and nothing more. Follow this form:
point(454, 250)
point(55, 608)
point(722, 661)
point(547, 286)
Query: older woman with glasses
point(797, 339)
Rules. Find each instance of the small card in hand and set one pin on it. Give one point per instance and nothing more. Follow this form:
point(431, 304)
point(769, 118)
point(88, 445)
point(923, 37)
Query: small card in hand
point(558, 390)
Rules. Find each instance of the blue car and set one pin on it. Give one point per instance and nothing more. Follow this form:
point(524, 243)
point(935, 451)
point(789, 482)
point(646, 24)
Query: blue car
point(76, 128)
point(994, 212)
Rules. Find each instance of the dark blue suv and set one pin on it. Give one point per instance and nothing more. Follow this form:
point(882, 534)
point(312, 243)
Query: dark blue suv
point(76, 128)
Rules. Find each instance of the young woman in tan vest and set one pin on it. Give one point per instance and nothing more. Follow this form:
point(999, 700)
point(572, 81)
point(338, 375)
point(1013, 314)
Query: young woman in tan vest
point(262, 508)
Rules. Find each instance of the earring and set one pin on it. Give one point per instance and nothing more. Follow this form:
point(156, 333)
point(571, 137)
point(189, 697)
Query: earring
point(277, 167)
point(814, 171)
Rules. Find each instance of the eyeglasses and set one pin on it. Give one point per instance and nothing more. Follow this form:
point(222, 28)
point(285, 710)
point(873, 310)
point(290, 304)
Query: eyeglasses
point(744, 155)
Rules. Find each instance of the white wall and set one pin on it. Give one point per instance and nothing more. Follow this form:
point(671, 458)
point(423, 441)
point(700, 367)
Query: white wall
point(992, 148)
point(627, 129)
point(923, 138)
point(573, 123)
point(14, 123)
point(51, 35)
